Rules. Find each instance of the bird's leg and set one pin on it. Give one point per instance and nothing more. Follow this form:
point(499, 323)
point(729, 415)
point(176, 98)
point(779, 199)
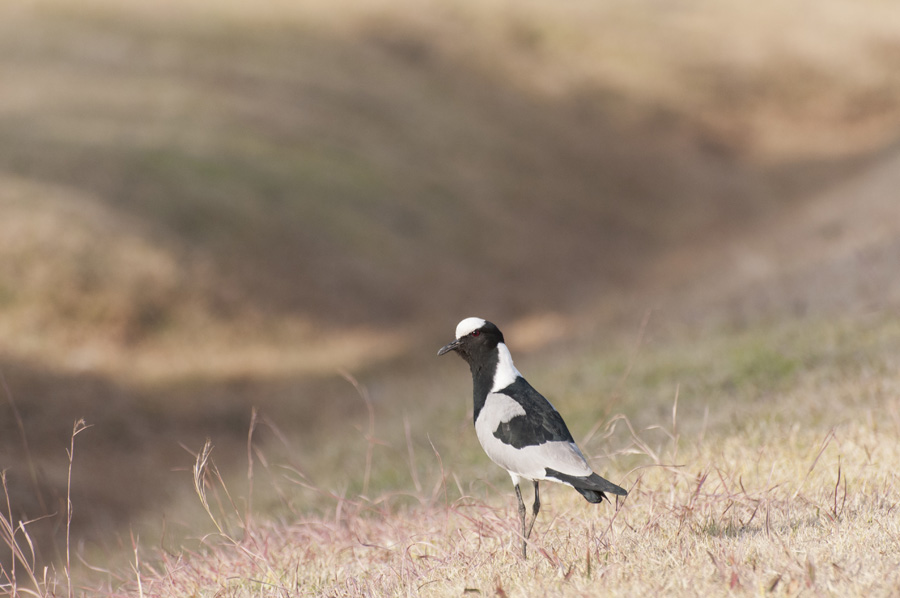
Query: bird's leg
point(522, 517)
point(535, 508)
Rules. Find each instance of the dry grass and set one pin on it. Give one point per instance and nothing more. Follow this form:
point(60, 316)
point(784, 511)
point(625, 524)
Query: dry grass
point(776, 509)
point(777, 487)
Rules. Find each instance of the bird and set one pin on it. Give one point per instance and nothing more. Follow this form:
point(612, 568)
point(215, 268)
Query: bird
point(517, 427)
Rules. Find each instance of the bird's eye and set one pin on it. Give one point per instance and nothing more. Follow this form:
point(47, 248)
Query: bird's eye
point(476, 333)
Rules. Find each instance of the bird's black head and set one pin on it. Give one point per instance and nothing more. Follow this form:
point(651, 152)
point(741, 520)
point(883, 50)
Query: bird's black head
point(476, 339)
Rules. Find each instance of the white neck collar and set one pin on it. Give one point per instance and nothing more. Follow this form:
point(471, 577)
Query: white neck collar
point(506, 372)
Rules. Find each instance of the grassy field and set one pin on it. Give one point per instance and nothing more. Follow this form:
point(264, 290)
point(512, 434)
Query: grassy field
point(770, 468)
point(760, 462)
point(684, 218)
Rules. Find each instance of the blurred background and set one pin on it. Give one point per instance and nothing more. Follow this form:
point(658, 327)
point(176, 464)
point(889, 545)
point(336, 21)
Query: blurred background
point(209, 206)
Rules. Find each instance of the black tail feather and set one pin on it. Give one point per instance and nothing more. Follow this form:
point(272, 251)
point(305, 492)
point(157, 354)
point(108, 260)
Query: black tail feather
point(593, 496)
point(593, 488)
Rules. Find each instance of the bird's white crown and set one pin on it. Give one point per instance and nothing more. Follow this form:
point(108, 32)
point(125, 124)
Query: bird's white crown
point(468, 326)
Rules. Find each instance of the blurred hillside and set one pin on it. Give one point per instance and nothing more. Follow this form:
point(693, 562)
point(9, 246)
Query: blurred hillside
point(206, 206)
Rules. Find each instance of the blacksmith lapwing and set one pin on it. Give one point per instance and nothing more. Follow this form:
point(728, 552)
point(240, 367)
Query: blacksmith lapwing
point(518, 428)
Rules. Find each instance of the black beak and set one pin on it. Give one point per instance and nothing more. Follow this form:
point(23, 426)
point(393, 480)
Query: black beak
point(451, 347)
